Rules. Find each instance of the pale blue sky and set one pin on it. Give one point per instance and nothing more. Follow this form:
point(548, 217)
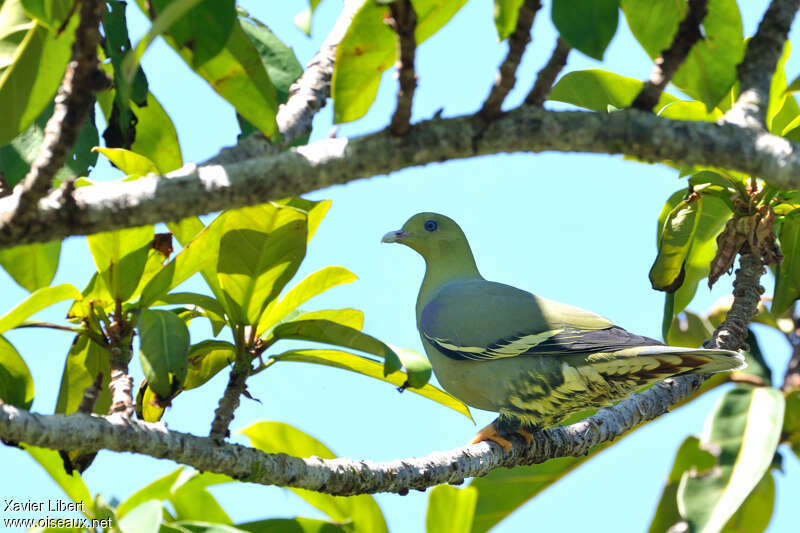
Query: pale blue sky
point(571, 227)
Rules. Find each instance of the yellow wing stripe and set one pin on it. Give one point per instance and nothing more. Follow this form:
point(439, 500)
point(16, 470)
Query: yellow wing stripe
point(501, 349)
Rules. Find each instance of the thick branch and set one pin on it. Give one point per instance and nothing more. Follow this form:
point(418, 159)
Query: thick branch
point(760, 59)
point(404, 22)
point(205, 189)
point(121, 386)
point(667, 64)
point(547, 76)
point(507, 76)
point(307, 96)
point(223, 416)
point(72, 103)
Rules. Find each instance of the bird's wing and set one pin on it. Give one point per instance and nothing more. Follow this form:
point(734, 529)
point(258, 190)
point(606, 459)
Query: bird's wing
point(483, 320)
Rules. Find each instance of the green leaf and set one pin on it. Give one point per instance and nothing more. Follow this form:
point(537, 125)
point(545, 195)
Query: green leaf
point(211, 307)
point(156, 137)
point(505, 17)
point(691, 110)
point(451, 509)
point(782, 109)
point(52, 13)
point(198, 505)
point(260, 249)
point(677, 232)
point(204, 29)
point(370, 47)
point(237, 74)
point(654, 23)
point(120, 257)
point(373, 369)
point(16, 382)
point(709, 71)
point(315, 210)
point(330, 332)
point(160, 489)
point(787, 283)
point(791, 421)
point(200, 254)
point(690, 456)
point(689, 330)
point(587, 25)
point(164, 347)
point(129, 162)
point(85, 360)
point(33, 266)
point(94, 295)
point(597, 89)
point(743, 433)
point(312, 285)
point(32, 62)
point(206, 359)
point(277, 437)
point(303, 19)
point(148, 405)
point(755, 513)
point(282, 65)
point(16, 158)
point(756, 364)
point(293, 525)
point(145, 518)
point(71, 484)
point(38, 300)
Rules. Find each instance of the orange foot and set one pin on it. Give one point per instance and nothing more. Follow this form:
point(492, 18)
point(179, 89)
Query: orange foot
point(490, 433)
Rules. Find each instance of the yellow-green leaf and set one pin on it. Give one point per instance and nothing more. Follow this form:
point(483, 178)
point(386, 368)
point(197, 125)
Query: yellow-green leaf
point(33, 266)
point(451, 509)
point(16, 382)
point(120, 257)
point(164, 346)
point(38, 300)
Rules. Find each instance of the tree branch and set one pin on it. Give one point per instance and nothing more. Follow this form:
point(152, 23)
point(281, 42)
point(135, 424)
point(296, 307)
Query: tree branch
point(307, 96)
point(73, 101)
point(507, 76)
point(760, 59)
point(667, 64)
point(223, 416)
point(547, 76)
point(199, 190)
point(404, 22)
point(791, 382)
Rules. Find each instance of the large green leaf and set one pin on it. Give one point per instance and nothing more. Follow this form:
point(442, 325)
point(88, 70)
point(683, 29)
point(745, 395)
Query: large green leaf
point(782, 109)
point(689, 456)
point(206, 359)
point(32, 62)
point(210, 307)
point(337, 334)
point(260, 249)
point(198, 255)
point(279, 60)
point(131, 163)
point(38, 300)
point(237, 74)
point(587, 25)
point(755, 512)
point(709, 70)
point(277, 437)
point(791, 421)
point(597, 89)
point(164, 347)
point(72, 484)
point(160, 489)
point(146, 518)
point(668, 270)
point(204, 29)
point(505, 16)
point(743, 433)
point(373, 369)
point(120, 257)
point(312, 285)
point(85, 360)
point(16, 158)
point(787, 284)
point(370, 47)
point(450, 509)
point(16, 382)
point(33, 266)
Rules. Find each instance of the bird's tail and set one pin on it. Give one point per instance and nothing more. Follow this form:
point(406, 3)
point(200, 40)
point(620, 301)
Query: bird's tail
point(658, 361)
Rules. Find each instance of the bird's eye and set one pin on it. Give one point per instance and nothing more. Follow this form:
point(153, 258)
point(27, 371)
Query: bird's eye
point(431, 225)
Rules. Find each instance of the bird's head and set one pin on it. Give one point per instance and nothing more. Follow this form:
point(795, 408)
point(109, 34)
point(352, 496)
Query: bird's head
point(432, 235)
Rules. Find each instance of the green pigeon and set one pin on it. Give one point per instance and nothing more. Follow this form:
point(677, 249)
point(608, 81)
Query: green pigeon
point(532, 360)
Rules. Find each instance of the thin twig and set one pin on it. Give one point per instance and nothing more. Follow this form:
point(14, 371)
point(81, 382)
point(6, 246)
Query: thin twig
point(667, 64)
point(237, 386)
point(404, 22)
point(507, 75)
point(73, 101)
point(760, 59)
point(547, 76)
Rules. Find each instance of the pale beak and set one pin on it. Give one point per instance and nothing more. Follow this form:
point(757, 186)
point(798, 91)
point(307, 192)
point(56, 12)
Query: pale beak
point(395, 236)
